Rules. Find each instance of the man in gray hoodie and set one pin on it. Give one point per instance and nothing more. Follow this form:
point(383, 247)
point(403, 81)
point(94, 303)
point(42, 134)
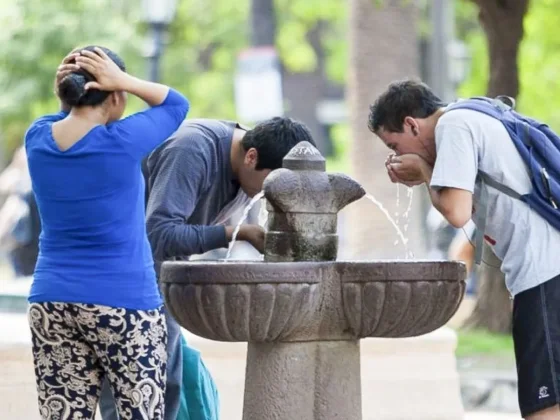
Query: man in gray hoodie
point(195, 181)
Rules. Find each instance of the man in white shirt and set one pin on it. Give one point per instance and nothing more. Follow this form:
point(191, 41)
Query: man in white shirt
point(446, 151)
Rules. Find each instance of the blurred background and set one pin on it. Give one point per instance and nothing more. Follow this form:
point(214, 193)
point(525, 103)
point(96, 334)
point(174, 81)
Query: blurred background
point(322, 62)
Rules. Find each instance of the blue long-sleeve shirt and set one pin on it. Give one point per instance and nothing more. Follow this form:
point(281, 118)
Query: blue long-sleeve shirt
point(93, 247)
point(190, 180)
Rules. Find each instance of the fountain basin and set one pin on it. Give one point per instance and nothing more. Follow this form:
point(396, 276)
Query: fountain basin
point(241, 301)
point(306, 301)
point(400, 299)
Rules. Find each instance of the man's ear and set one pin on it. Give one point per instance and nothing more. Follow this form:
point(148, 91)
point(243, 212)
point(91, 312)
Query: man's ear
point(251, 157)
point(412, 124)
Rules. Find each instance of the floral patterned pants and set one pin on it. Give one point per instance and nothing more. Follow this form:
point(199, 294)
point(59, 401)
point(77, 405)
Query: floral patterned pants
point(76, 345)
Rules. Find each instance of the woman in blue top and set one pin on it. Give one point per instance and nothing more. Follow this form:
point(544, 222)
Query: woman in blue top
point(95, 306)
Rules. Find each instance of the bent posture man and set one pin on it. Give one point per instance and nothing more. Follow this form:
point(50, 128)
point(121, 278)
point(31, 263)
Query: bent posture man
point(467, 157)
point(202, 174)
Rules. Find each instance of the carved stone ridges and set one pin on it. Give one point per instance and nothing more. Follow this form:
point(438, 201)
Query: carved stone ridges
point(228, 302)
point(263, 302)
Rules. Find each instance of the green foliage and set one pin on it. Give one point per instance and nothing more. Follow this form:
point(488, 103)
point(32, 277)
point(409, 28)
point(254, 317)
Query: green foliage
point(199, 58)
point(469, 30)
point(35, 36)
point(538, 59)
point(340, 159)
point(466, 17)
point(482, 342)
point(293, 46)
point(296, 18)
point(204, 41)
point(477, 81)
point(539, 63)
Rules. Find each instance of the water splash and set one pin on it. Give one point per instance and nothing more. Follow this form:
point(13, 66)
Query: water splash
point(263, 215)
point(403, 239)
point(410, 195)
point(397, 208)
point(243, 218)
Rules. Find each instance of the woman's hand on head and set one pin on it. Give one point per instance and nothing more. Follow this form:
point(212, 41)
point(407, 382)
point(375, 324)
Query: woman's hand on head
point(65, 68)
point(108, 76)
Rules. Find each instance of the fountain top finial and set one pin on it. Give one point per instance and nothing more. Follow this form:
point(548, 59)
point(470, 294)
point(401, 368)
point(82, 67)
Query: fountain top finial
point(304, 157)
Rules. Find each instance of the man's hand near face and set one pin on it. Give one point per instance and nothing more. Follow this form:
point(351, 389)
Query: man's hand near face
point(409, 169)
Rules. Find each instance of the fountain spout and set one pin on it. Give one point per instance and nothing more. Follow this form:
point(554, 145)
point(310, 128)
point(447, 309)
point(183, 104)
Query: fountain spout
point(303, 202)
point(345, 190)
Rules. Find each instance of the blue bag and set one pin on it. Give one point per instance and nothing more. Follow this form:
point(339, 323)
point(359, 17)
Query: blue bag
point(539, 148)
point(199, 395)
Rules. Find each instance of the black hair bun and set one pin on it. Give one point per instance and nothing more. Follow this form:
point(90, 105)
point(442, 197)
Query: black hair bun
point(72, 89)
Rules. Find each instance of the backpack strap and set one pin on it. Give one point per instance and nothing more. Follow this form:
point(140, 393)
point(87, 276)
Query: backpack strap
point(487, 179)
point(480, 104)
point(481, 211)
point(480, 222)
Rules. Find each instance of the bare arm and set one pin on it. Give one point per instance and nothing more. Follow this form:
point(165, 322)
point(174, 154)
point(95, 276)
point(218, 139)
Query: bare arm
point(451, 199)
point(110, 77)
point(454, 204)
point(152, 93)
point(139, 133)
point(451, 181)
point(461, 249)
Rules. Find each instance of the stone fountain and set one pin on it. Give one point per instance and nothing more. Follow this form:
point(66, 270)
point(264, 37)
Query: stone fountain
point(302, 312)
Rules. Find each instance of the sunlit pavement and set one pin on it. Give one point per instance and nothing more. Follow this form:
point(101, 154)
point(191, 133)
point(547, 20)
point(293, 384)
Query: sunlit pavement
point(17, 387)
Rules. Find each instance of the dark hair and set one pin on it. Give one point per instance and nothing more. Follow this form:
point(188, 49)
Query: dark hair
point(405, 98)
point(71, 89)
point(274, 138)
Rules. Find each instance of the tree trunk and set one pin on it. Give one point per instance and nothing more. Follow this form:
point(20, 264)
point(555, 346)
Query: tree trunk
point(383, 47)
point(502, 21)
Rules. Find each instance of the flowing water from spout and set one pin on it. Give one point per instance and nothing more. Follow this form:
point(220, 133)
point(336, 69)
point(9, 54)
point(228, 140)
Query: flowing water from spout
point(246, 211)
point(403, 239)
point(409, 193)
point(397, 208)
point(263, 215)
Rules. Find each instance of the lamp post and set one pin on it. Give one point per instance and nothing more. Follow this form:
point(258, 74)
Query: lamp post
point(158, 14)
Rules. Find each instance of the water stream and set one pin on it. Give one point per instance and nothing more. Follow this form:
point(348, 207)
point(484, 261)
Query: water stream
point(263, 216)
point(406, 214)
point(400, 234)
point(410, 195)
point(246, 211)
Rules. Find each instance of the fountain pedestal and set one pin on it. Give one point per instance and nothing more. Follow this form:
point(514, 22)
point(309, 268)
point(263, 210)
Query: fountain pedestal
point(307, 381)
point(301, 312)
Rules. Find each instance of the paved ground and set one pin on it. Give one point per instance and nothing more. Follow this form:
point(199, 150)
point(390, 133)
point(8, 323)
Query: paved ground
point(17, 391)
point(17, 388)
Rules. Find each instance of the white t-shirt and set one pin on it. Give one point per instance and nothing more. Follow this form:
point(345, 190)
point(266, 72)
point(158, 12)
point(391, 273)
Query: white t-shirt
point(468, 141)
